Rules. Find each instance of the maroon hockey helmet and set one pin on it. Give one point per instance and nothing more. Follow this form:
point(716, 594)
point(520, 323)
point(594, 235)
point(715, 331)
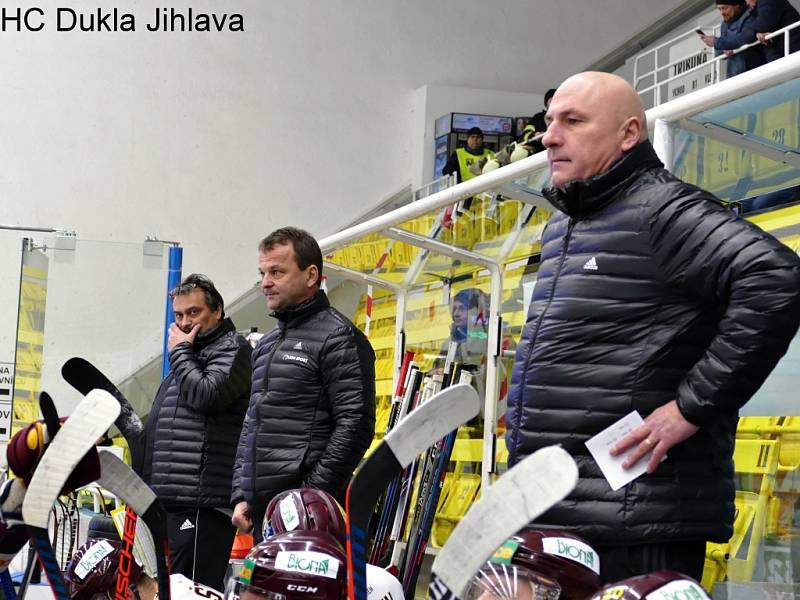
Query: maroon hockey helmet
point(503, 581)
point(555, 555)
point(662, 584)
point(305, 509)
point(92, 571)
point(295, 564)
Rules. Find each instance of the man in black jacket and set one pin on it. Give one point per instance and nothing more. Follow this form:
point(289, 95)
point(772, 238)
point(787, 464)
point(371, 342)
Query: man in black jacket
point(651, 296)
point(772, 15)
point(193, 427)
point(312, 406)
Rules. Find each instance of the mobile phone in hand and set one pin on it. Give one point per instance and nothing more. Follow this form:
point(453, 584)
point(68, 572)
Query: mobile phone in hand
point(700, 32)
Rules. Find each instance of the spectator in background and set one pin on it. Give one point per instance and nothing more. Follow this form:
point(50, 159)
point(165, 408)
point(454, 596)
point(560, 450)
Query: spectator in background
point(312, 408)
point(469, 310)
point(737, 30)
point(772, 15)
point(538, 122)
point(191, 433)
point(461, 160)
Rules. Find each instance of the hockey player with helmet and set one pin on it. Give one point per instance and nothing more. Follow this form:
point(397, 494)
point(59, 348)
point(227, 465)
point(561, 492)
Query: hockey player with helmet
point(661, 584)
point(306, 509)
point(292, 565)
point(310, 509)
point(92, 575)
point(92, 571)
point(534, 563)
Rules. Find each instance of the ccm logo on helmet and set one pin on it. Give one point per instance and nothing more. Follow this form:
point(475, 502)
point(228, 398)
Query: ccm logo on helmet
point(301, 588)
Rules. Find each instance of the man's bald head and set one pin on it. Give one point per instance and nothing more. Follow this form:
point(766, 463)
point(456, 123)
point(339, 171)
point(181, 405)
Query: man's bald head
point(593, 119)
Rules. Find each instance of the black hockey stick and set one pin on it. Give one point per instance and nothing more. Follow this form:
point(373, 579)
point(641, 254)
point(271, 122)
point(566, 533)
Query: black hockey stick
point(424, 426)
point(119, 479)
point(85, 377)
point(526, 491)
point(90, 419)
point(380, 540)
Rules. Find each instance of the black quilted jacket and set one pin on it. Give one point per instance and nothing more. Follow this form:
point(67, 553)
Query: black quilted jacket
point(194, 424)
point(649, 291)
point(312, 405)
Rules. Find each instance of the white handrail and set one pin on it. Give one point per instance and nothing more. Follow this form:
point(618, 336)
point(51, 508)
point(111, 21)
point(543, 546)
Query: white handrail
point(451, 195)
point(637, 78)
point(749, 82)
point(711, 63)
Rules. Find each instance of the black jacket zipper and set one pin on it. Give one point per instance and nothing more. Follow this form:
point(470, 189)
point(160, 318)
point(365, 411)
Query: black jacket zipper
point(535, 333)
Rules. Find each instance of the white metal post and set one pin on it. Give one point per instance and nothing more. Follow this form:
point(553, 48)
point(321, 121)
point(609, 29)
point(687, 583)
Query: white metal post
point(493, 357)
point(399, 335)
point(664, 142)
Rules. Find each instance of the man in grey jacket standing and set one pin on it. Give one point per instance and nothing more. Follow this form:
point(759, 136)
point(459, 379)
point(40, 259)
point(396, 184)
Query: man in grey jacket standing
point(193, 427)
point(312, 406)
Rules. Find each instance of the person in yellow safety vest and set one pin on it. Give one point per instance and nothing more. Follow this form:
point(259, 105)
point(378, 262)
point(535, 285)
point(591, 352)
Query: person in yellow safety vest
point(460, 160)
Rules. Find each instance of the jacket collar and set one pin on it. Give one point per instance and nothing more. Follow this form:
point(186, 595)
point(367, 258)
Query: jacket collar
point(291, 315)
point(212, 335)
point(585, 196)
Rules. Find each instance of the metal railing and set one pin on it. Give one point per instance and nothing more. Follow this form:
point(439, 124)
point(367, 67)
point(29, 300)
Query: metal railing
point(437, 185)
point(713, 63)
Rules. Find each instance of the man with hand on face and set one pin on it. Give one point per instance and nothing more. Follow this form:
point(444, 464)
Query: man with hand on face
point(652, 297)
point(193, 427)
point(312, 406)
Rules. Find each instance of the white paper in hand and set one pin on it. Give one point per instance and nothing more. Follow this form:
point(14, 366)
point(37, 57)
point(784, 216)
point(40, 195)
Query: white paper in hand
point(611, 466)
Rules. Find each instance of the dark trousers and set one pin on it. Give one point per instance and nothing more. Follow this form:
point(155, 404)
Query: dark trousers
point(257, 516)
point(621, 562)
point(200, 543)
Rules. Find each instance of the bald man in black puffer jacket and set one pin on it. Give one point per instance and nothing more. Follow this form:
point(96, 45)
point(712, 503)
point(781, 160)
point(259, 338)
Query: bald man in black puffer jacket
point(651, 296)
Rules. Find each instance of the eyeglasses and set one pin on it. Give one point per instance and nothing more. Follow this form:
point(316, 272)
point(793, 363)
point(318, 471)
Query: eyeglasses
point(198, 281)
point(185, 288)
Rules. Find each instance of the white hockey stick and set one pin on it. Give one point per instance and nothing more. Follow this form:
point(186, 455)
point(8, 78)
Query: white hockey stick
point(79, 434)
point(526, 491)
point(90, 420)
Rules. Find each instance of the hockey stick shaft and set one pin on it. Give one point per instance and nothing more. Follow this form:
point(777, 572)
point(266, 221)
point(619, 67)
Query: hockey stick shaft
point(121, 480)
point(377, 523)
point(443, 413)
point(392, 493)
point(431, 504)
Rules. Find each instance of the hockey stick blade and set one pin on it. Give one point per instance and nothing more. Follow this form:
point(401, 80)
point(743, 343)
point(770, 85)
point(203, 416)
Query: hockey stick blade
point(85, 377)
point(526, 491)
point(440, 415)
point(119, 479)
point(443, 413)
point(90, 419)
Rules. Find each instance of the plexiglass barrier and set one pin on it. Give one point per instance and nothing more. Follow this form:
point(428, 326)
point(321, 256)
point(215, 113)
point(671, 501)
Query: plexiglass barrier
point(103, 301)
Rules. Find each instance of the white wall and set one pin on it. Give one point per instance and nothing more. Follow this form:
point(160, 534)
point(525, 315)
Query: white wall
point(309, 117)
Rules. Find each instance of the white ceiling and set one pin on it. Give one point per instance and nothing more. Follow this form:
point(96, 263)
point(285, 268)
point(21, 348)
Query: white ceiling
point(511, 45)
